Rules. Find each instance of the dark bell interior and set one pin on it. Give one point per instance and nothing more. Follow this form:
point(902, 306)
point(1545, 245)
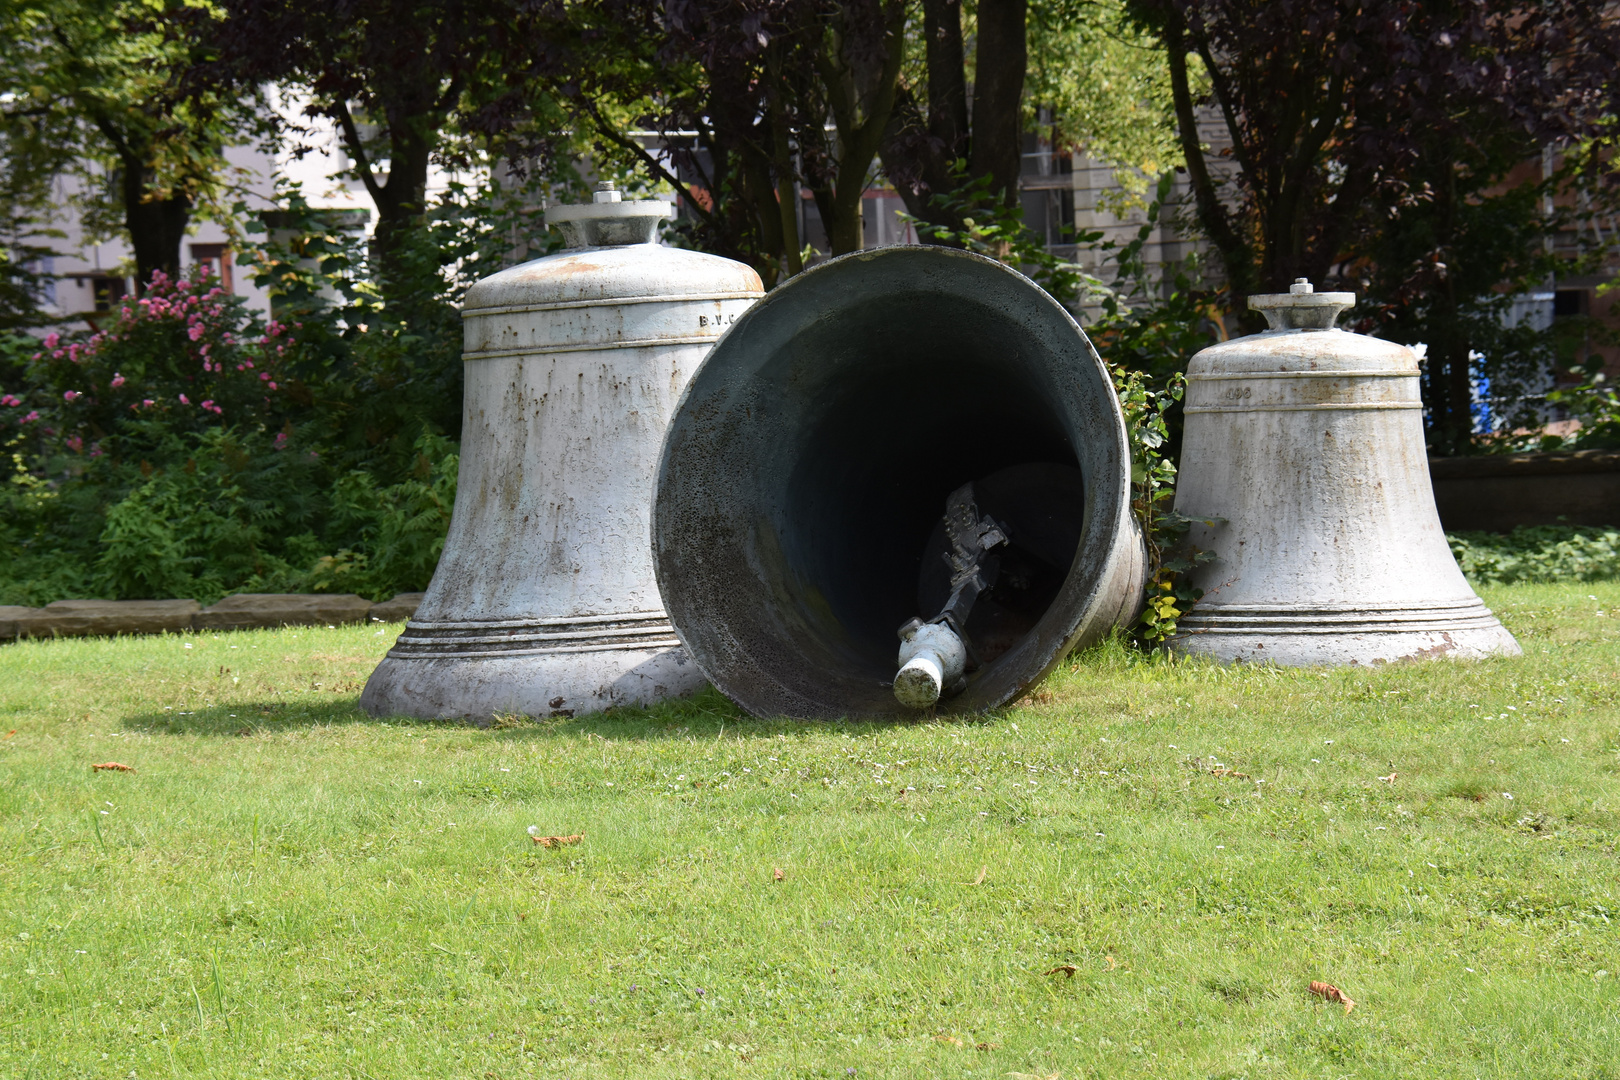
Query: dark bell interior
point(916, 412)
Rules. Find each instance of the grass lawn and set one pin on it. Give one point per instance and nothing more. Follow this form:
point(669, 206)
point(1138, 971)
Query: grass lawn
point(285, 888)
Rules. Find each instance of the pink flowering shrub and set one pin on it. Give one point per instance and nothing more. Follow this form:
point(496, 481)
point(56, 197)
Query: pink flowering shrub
point(187, 354)
point(186, 446)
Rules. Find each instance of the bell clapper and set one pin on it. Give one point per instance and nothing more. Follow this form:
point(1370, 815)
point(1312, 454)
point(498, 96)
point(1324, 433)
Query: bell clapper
point(934, 654)
point(932, 657)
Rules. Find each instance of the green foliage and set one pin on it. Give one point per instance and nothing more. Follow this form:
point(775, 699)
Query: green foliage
point(1154, 322)
point(1539, 553)
point(1596, 404)
point(349, 896)
point(1171, 557)
point(1106, 83)
point(192, 448)
point(992, 227)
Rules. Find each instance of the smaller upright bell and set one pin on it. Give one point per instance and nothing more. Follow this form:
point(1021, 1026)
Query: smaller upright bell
point(1303, 460)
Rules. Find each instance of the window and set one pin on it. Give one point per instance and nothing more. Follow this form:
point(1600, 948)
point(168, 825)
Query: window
point(217, 257)
point(108, 291)
point(1569, 302)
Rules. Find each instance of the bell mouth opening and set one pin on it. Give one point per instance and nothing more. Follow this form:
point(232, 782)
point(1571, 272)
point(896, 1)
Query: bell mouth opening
point(861, 523)
point(798, 520)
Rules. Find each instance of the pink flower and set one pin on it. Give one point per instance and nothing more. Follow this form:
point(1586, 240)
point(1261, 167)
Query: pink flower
point(264, 376)
point(272, 386)
point(281, 440)
point(69, 396)
point(195, 332)
point(95, 449)
point(184, 400)
point(182, 285)
point(10, 400)
point(117, 380)
point(51, 340)
point(75, 444)
point(30, 418)
point(211, 407)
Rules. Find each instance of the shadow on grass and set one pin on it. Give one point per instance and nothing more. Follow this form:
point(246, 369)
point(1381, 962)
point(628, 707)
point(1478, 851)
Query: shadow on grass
point(707, 714)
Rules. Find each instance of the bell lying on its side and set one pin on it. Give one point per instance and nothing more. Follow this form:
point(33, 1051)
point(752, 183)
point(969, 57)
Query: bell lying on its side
point(1308, 442)
point(808, 492)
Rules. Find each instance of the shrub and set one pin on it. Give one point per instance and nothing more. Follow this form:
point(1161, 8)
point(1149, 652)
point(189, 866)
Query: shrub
point(1539, 553)
point(192, 449)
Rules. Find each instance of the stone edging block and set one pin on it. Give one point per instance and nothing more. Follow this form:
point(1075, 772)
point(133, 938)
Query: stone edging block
point(251, 611)
point(244, 611)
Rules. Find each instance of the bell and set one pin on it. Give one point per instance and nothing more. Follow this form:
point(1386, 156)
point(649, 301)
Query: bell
point(1303, 462)
point(900, 481)
point(544, 601)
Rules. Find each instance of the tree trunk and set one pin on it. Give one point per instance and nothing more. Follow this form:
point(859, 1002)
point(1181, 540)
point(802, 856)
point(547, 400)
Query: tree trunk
point(998, 96)
point(947, 87)
point(157, 227)
point(401, 200)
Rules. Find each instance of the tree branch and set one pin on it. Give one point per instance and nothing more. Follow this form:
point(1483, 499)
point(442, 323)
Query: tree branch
point(624, 142)
point(1234, 252)
point(357, 150)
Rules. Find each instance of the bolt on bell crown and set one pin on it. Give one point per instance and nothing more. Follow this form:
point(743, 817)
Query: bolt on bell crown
point(544, 600)
point(1303, 463)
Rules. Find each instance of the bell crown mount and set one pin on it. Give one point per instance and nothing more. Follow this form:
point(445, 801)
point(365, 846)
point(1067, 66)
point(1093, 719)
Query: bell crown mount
point(1302, 307)
point(608, 220)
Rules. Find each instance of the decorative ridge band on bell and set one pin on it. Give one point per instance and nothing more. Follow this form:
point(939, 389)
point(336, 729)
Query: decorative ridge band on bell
point(608, 221)
point(1304, 467)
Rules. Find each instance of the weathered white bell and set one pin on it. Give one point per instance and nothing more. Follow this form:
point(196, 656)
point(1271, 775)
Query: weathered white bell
point(1307, 442)
point(544, 601)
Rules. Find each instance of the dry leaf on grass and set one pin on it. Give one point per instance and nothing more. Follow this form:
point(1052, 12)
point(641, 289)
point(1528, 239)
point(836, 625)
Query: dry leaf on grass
point(553, 841)
point(1391, 778)
point(1035, 1076)
point(951, 1040)
point(1333, 993)
point(777, 874)
point(1109, 960)
point(987, 1046)
point(1233, 773)
point(1067, 969)
point(10, 733)
point(113, 766)
point(980, 879)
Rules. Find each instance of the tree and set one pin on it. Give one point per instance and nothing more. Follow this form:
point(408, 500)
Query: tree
point(1105, 84)
point(1080, 70)
point(1378, 139)
point(933, 127)
point(1329, 106)
point(757, 85)
point(87, 93)
point(407, 82)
